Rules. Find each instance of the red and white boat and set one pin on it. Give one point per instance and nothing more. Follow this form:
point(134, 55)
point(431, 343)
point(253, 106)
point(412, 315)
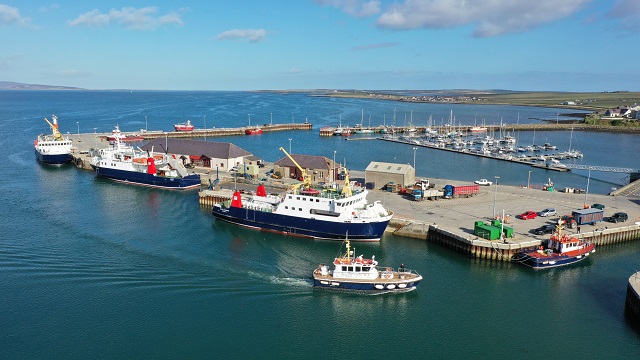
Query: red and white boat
point(117, 134)
point(561, 249)
point(256, 131)
point(184, 126)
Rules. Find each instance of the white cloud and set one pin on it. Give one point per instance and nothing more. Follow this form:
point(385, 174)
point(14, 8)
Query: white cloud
point(628, 13)
point(10, 15)
point(357, 8)
point(130, 18)
point(253, 35)
point(491, 17)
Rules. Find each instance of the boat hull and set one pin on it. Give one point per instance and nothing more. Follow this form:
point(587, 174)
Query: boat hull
point(145, 179)
point(53, 159)
point(303, 227)
point(373, 287)
point(552, 261)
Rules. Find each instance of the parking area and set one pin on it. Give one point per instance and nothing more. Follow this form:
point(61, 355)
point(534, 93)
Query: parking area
point(459, 214)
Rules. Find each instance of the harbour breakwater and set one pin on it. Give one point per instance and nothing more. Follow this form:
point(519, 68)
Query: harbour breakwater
point(632, 302)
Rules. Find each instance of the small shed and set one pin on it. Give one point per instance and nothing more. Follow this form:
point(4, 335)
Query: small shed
point(378, 174)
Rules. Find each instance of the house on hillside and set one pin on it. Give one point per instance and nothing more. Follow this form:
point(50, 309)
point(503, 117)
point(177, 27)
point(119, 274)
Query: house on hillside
point(319, 168)
point(206, 154)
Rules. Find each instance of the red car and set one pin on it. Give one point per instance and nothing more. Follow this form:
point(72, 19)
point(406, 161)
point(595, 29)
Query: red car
point(528, 215)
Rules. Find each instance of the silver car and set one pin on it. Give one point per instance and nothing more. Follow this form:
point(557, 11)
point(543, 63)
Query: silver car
point(547, 212)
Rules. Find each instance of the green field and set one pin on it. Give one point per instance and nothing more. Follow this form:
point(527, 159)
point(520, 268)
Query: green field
point(593, 101)
point(599, 101)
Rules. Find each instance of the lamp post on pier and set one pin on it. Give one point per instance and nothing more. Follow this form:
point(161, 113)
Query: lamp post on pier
point(205, 128)
point(414, 158)
point(495, 195)
point(529, 179)
point(334, 166)
point(78, 123)
point(289, 145)
point(586, 193)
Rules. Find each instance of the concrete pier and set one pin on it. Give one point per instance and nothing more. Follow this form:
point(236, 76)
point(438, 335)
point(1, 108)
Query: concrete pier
point(632, 303)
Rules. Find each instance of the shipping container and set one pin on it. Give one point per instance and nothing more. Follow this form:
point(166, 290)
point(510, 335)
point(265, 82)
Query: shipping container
point(588, 216)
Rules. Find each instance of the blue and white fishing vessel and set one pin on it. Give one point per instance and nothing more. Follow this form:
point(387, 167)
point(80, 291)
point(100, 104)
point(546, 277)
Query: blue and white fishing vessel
point(53, 148)
point(308, 212)
point(126, 164)
point(360, 274)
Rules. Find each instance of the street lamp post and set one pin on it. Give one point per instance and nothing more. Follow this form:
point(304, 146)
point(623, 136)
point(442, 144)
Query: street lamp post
point(586, 193)
point(78, 123)
point(334, 166)
point(271, 118)
point(414, 158)
point(145, 124)
point(495, 195)
point(205, 128)
point(289, 145)
point(529, 179)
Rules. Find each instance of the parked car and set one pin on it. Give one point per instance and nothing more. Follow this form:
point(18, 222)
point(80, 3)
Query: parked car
point(545, 229)
point(597, 206)
point(235, 168)
point(530, 214)
point(483, 182)
point(617, 217)
point(547, 212)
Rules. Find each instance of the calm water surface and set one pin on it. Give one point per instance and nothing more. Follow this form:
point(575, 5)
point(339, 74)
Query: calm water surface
point(95, 269)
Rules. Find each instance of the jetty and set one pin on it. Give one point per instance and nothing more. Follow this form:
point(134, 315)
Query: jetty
point(526, 159)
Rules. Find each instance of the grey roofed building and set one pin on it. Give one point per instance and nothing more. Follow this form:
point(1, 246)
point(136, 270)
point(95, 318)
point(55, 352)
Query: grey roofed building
point(318, 167)
point(378, 174)
point(201, 153)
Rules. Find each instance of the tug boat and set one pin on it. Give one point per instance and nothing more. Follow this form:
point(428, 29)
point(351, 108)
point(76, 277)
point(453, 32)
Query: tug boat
point(53, 148)
point(560, 250)
point(183, 126)
point(360, 274)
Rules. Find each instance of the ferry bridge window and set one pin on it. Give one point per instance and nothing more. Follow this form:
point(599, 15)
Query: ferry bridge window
point(358, 269)
point(350, 268)
point(344, 268)
point(299, 209)
point(365, 268)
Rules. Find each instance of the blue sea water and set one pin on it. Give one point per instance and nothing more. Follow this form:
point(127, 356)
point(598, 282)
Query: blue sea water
point(96, 269)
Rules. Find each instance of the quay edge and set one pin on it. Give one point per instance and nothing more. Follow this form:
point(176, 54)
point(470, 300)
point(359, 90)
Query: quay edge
point(632, 302)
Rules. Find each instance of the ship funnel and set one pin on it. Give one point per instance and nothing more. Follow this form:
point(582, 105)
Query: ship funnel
point(260, 191)
point(151, 166)
point(236, 200)
point(55, 121)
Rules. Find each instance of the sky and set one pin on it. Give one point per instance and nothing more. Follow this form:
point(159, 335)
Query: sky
point(541, 45)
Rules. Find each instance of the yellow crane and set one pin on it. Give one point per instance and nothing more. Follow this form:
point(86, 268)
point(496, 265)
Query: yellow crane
point(54, 129)
point(306, 179)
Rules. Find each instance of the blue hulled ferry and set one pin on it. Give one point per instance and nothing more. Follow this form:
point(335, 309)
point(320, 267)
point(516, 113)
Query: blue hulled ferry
point(53, 148)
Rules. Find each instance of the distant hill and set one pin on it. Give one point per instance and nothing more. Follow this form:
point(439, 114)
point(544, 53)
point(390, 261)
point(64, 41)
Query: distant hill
point(10, 85)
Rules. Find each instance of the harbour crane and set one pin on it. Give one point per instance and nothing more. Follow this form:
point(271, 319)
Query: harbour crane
point(54, 127)
point(306, 179)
